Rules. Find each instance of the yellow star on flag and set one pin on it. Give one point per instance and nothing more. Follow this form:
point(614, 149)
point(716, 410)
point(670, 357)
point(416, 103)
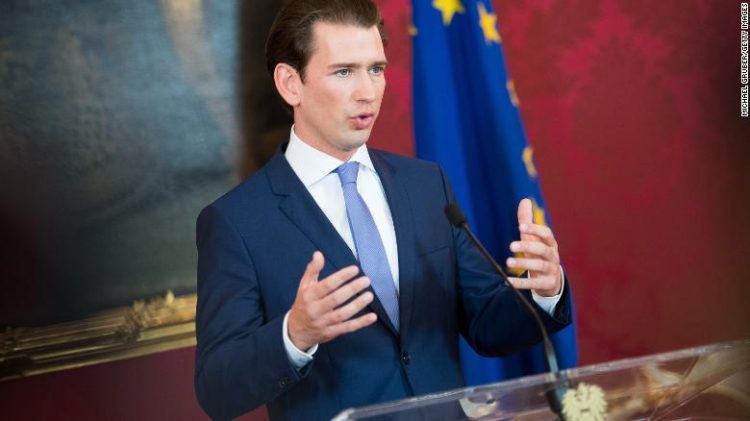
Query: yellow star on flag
point(488, 23)
point(538, 217)
point(448, 8)
point(528, 161)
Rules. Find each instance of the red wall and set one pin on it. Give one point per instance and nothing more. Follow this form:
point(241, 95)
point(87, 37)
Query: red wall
point(633, 111)
point(632, 108)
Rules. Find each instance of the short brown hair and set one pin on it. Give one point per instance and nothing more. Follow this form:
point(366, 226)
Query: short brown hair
point(290, 38)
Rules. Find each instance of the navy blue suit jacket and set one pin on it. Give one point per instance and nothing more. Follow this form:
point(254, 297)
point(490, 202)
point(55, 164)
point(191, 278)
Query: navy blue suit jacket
point(254, 243)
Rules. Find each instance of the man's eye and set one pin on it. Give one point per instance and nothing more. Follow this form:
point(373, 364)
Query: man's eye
point(376, 70)
point(343, 72)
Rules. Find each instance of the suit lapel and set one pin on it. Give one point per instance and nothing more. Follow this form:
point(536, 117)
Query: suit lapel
point(300, 207)
point(403, 223)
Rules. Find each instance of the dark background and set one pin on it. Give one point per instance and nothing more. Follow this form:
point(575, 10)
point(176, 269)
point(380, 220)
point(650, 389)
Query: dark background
point(119, 121)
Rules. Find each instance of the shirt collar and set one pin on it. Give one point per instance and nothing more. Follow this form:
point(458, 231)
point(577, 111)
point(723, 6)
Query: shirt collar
point(311, 165)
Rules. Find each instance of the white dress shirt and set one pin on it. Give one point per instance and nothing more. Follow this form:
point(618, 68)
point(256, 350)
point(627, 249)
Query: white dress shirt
point(315, 169)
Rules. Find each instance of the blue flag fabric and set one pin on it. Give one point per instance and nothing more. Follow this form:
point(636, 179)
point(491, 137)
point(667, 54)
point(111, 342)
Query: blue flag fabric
point(466, 118)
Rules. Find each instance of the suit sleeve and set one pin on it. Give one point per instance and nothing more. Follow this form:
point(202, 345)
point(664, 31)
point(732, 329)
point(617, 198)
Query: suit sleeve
point(491, 318)
point(241, 362)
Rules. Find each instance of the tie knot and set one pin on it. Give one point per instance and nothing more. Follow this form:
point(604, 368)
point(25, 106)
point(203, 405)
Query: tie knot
point(348, 172)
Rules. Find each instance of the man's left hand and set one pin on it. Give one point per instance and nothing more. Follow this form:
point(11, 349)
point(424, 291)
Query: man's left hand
point(540, 255)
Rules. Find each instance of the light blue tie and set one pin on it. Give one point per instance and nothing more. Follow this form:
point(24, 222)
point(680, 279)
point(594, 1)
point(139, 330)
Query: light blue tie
point(368, 243)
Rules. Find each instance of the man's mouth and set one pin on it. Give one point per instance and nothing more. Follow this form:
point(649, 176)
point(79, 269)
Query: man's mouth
point(363, 121)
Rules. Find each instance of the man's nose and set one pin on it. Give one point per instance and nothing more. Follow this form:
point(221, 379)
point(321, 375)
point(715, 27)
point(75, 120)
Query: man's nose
point(366, 89)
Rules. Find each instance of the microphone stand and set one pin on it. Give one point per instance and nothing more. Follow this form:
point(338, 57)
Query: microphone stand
point(562, 383)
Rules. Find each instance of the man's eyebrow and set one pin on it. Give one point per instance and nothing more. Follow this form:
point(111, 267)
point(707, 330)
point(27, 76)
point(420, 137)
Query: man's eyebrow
point(355, 65)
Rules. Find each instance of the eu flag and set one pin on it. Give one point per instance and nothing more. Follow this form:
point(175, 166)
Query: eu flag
point(466, 118)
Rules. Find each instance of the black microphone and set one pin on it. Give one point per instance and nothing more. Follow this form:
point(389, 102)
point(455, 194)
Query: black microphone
point(554, 396)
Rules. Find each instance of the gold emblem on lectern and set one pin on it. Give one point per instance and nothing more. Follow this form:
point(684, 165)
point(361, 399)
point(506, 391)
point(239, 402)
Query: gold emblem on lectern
point(585, 403)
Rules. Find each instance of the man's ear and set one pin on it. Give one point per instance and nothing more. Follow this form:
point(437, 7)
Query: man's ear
point(288, 83)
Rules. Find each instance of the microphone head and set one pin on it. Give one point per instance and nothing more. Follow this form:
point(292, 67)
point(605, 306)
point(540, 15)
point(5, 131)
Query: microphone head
point(455, 215)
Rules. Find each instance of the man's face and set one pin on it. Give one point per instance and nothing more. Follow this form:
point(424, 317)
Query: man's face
point(343, 87)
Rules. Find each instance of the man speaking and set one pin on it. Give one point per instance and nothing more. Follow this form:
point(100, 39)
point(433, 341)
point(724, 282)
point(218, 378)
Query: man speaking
point(331, 278)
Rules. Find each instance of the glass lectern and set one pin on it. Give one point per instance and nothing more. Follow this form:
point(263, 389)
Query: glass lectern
point(708, 382)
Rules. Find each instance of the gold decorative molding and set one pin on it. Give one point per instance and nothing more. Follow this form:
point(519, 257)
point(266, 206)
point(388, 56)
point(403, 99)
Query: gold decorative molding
point(157, 325)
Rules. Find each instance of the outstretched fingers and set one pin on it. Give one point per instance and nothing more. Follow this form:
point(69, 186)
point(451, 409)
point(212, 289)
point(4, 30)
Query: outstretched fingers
point(342, 314)
point(539, 284)
point(351, 325)
point(535, 249)
point(536, 265)
point(319, 290)
point(542, 232)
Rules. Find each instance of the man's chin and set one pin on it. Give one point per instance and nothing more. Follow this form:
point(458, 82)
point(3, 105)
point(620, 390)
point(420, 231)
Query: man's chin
point(356, 139)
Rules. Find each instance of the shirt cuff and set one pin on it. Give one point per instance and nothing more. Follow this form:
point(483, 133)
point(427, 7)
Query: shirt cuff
point(548, 304)
point(298, 358)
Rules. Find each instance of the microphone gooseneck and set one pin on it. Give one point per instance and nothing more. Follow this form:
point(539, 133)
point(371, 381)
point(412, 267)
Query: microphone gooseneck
point(554, 396)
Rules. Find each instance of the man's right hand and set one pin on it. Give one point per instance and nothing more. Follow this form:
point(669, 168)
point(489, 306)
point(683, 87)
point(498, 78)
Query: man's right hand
point(317, 315)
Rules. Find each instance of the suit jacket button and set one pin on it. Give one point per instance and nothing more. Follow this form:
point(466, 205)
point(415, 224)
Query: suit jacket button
point(283, 382)
point(405, 358)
